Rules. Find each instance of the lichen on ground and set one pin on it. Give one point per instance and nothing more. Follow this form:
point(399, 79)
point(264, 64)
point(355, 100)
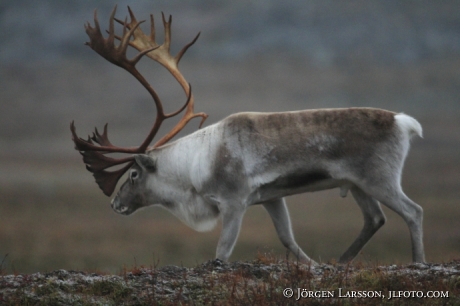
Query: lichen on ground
point(260, 282)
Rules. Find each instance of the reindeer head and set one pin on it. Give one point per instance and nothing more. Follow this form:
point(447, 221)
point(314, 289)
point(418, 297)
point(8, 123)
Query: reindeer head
point(135, 192)
point(96, 148)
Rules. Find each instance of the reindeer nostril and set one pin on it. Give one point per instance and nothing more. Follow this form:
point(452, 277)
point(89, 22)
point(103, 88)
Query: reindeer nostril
point(114, 202)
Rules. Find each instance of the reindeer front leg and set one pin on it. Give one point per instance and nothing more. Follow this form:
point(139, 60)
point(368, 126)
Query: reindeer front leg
point(231, 224)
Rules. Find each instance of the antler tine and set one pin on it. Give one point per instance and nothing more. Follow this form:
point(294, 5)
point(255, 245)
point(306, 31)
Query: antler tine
point(152, 28)
point(167, 28)
point(189, 99)
point(111, 37)
point(131, 15)
point(185, 48)
point(178, 127)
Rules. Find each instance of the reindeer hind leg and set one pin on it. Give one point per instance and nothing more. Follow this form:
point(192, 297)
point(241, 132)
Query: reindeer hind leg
point(374, 219)
point(280, 216)
point(394, 198)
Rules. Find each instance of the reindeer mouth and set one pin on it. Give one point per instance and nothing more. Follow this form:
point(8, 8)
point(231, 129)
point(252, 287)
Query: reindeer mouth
point(118, 208)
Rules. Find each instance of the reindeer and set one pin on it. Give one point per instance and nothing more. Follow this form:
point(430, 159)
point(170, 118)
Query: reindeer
point(251, 158)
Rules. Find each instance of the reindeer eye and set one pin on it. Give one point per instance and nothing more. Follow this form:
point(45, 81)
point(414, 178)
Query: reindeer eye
point(133, 175)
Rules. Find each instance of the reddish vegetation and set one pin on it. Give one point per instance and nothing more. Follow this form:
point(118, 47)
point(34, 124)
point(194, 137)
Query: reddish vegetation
point(261, 282)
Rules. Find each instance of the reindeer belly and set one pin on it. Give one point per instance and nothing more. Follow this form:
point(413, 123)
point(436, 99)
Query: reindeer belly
point(294, 183)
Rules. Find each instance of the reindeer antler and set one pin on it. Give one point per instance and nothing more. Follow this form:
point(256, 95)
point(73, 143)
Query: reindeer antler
point(95, 148)
point(162, 55)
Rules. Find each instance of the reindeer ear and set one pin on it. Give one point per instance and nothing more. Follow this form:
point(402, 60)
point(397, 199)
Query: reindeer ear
point(146, 162)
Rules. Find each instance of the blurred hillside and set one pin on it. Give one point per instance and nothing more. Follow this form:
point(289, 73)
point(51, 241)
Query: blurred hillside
point(325, 32)
point(251, 56)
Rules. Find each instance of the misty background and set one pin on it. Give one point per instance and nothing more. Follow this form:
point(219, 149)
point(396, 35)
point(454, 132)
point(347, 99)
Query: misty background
point(251, 56)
